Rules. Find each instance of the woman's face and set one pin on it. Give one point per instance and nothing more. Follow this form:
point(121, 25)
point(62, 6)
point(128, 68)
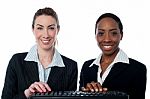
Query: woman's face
point(45, 31)
point(108, 36)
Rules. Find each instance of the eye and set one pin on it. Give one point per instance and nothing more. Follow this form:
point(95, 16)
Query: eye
point(114, 33)
point(100, 33)
point(39, 28)
point(51, 28)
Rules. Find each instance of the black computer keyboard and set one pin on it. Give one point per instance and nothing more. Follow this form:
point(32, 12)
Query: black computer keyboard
point(80, 95)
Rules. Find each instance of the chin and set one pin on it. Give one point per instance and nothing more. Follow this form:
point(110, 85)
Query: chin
point(108, 53)
point(46, 47)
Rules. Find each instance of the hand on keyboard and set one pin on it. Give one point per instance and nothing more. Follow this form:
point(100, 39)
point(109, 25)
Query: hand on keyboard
point(94, 87)
point(37, 87)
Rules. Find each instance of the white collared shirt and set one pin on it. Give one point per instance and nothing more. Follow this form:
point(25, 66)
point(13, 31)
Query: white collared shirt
point(120, 57)
point(44, 72)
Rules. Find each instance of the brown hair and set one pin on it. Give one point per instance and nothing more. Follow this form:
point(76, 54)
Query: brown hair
point(46, 11)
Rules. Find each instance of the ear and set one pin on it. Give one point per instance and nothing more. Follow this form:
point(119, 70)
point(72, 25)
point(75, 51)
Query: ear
point(33, 31)
point(96, 34)
point(96, 37)
point(58, 30)
point(121, 36)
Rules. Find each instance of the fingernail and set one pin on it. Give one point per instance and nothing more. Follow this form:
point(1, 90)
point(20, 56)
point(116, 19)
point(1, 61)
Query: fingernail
point(92, 90)
point(105, 89)
point(96, 90)
point(83, 89)
point(101, 90)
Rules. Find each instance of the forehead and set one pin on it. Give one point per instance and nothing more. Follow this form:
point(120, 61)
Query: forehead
point(45, 19)
point(105, 22)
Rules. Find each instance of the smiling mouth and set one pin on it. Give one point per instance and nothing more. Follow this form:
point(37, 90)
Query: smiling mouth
point(107, 47)
point(45, 41)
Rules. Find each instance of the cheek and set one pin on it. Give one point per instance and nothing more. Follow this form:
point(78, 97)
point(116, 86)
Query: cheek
point(117, 40)
point(37, 34)
point(98, 39)
point(53, 34)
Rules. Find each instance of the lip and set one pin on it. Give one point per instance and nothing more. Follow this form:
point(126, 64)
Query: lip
point(45, 41)
point(107, 47)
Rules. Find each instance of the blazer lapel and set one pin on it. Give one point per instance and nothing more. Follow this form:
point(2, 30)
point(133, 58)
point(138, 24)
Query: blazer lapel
point(31, 71)
point(115, 71)
point(93, 73)
point(56, 77)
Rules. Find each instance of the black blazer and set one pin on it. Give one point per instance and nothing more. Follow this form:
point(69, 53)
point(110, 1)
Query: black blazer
point(21, 74)
point(128, 78)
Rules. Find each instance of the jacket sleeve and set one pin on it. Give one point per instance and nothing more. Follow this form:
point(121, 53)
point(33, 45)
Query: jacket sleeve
point(82, 80)
point(10, 89)
point(73, 77)
point(139, 83)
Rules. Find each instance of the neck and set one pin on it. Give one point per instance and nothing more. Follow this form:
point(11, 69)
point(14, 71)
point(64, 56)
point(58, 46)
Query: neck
point(109, 58)
point(46, 56)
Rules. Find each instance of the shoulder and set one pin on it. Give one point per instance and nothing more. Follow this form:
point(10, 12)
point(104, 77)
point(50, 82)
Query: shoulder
point(18, 58)
point(137, 64)
point(23, 54)
point(67, 60)
point(19, 55)
point(17, 61)
point(89, 61)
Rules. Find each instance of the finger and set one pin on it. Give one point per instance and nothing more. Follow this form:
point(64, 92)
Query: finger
point(32, 88)
point(84, 89)
point(90, 87)
point(37, 86)
point(105, 89)
point(41, 86)
point(47, 87)
point(95, 87)
point(99, 87)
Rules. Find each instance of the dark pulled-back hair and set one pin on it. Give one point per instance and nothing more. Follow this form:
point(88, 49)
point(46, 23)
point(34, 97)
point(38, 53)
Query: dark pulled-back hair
point(113, 16)
point(46, 11)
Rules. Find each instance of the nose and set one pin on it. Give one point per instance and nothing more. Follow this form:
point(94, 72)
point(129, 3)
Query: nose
point(45, 34)
point(107, 37)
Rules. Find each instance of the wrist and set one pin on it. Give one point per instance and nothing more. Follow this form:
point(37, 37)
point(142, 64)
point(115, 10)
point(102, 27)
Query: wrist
point(27, 93)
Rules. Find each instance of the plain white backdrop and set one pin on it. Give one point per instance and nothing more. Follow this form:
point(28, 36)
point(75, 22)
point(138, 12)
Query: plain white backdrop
point(76, 38)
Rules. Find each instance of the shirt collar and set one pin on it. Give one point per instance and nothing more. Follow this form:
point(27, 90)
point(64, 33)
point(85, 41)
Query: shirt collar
point(120, 57)
point(33, 56)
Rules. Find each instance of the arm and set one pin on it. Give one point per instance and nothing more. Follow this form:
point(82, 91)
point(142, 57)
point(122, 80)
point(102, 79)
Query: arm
point(139, 83)
point(88, 78)
point(10, 90)
point(92, 86)
point(73, 77)
point(81, 81)
point(40, 87)
point(15, 86)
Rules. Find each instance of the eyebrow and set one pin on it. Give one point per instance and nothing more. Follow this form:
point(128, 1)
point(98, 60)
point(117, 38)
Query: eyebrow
point(51, 25)
point(39, 25)
point(113, 29)
point(43, 26)
point(109, 30)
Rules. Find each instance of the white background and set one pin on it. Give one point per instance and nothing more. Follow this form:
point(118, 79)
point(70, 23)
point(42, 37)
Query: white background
point(76, 38)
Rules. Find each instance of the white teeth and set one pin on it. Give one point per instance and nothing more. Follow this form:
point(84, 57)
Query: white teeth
point(107, 46)
point(45, 41)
